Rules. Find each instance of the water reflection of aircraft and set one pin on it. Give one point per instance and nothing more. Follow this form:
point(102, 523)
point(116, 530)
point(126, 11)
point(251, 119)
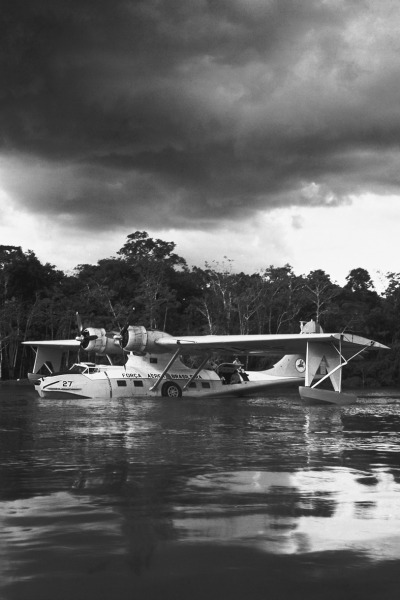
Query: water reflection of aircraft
point(154, 366)
point(305, 511)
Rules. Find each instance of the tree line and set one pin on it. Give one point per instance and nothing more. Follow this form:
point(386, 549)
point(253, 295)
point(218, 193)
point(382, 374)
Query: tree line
point(148, 284)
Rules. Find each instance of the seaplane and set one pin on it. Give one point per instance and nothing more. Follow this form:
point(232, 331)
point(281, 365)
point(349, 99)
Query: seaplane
point(155, 366)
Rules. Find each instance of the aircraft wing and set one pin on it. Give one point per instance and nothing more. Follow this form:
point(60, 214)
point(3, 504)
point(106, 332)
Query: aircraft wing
point(66, 344)
point(265, 344)
point(49, 352)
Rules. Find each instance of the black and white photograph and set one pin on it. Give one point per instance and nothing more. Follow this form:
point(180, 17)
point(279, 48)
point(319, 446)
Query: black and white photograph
point(199, 299)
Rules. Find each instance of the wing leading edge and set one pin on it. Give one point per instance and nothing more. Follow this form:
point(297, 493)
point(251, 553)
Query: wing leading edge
point(63, 344)
point(268, 344)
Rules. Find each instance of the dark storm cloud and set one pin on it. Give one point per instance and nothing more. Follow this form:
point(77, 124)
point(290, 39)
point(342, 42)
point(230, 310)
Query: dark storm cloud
point(169, 112)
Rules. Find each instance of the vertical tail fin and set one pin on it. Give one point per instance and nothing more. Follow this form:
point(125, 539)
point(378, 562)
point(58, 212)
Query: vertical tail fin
point(291, 365)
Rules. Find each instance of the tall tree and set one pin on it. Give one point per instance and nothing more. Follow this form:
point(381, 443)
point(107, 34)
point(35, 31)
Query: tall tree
point(320, 292)
point(248, 301)
point(360, 303)
point(153, 262)
point(359, 281)
point(281, 300)
point(25, 284)
point(140, 248)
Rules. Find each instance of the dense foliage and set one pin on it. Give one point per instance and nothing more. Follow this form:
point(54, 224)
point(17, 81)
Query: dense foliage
point(39, 302)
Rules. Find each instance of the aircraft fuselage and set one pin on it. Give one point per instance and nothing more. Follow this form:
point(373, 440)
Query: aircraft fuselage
point(139, 377)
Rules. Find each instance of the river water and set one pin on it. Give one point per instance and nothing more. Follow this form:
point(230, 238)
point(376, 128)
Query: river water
point(259, 498)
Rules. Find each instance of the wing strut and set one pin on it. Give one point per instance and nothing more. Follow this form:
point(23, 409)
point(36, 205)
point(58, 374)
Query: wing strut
point(339, 366)
point(170, 363)
point(335, 361)
point(203, 362)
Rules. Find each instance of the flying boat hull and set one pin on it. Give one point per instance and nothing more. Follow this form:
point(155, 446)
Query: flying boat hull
point(115, 382)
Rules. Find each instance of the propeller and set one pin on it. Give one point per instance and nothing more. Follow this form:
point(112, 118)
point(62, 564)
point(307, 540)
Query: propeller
point(122, 333)
point(84, 336)
point(110, 342)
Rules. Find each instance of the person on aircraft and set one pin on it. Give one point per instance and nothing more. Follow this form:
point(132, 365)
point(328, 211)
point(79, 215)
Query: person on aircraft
point(236, 378)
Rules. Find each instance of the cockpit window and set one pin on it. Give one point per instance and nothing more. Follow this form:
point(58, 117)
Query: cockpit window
point(83, 369)
point(78, 369)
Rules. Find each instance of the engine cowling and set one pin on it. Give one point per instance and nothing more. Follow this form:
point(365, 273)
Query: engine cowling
point(96, 340)
point(139, 340)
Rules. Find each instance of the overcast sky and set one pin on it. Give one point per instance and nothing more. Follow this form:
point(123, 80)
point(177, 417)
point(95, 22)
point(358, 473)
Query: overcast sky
point(266, 131)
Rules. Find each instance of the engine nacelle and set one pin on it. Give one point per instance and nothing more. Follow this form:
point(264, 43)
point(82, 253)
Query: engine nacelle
point(139, 340)
point(96, 340)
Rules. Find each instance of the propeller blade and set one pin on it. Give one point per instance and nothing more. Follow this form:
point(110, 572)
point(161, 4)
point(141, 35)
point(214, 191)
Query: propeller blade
point(125, 327)
point(79, 322)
